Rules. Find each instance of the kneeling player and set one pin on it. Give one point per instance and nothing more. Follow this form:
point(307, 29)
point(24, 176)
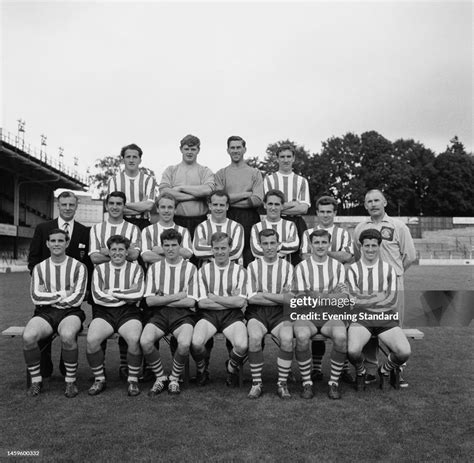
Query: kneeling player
point(171, 293)
point(58, 287)
point(320, 276)
point(268, 279)
point(222, 292)
point(373, 284)
point(117, 286)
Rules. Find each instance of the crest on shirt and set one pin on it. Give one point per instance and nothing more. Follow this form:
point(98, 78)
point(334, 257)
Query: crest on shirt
point(387, 233)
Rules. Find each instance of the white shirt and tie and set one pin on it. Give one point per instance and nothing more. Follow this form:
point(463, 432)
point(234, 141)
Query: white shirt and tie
point(68, 227)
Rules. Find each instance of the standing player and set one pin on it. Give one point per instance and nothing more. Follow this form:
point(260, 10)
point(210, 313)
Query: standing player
point(117, 286)
point(189, 183)
point(222, 292)
point(273, 203)
point(218, 203)
point(151, 244)
point(320, 276)
point(171, 293)
point(244, 185)
point(58, 287)
point(138, 187)
point(78, 248)
point(295, 190)
point(99, 252)
point(397, 249)
point(373, 284)
point(341, 250)
point(269, 278)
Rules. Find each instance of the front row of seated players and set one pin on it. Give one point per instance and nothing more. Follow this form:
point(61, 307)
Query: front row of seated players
point(58, 287)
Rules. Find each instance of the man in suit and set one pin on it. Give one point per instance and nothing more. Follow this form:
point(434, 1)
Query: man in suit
point(78, 248)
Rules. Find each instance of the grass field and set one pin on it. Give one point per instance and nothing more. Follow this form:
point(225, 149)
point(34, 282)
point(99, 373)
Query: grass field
point(429, 421)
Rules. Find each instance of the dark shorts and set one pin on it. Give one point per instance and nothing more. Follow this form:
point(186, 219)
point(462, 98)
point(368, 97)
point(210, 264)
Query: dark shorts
point(55, 316)
point(116, 316)
point(221, 319)
point(168, 319)
point(377, 327)
point(268, 316)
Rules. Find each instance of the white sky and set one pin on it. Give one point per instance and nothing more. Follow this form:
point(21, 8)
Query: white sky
point(96, 76)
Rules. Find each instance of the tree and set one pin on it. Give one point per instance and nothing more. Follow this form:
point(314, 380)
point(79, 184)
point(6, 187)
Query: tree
point(451, 183)
point(104, 169)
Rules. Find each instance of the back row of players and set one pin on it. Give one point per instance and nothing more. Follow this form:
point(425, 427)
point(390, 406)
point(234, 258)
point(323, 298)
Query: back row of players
point(221, 287)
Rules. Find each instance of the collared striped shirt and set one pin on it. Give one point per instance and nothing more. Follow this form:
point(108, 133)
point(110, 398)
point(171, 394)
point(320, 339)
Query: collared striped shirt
point(230, 280)
point(140, 188)
point(268, 278)
point(320, 277)
point(165, 279)
point(49, 278)
point(127, 279)
point(101, 232)
point(286, 231)
point(375, 286)
point(293, 186)
point(340, 239)
point(204, 231)
point(151, 236)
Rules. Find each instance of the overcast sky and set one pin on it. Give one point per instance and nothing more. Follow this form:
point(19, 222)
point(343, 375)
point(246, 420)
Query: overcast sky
point(96, 76)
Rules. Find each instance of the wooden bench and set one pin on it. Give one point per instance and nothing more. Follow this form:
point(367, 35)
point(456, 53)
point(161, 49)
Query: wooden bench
point(410, 333)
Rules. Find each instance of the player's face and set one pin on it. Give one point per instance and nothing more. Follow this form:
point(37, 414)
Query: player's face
point(131, 160)
point(285, 160)
point(67, 208)
point(326, 214)
point(236, 150)
point(115, 206)
point(270, 247)
point(166, 209)
point(189, 153)
point(118, 253)
point(171, 248)
point(375, 204)
point(218, 207)
point(320, 246)
point(220, 251)
point(57, 244)
point(370, 250)
point(273, 207)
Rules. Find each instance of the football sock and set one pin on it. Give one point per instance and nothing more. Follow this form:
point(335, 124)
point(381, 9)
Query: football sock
point(284, 361)
point(256, 365)
point(337, 363)
point(134, 364)
point(179, 361)
point(235, 359)
point(96, 362)
point(70, 363)
point(303, 358)
point(32, 359)
point(318, 349)
point(153, 360)
point(391, 364)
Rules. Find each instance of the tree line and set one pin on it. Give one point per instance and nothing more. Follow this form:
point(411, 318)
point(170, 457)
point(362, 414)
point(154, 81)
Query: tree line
point(414, 179)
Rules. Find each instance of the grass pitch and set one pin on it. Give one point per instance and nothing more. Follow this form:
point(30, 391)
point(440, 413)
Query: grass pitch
point(429, 421)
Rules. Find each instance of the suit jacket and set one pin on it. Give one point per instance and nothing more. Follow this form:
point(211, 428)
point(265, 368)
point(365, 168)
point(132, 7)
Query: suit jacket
point(78, 245)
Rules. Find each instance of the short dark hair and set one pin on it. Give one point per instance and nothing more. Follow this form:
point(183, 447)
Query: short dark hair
point(116, 194)
point(54, 231)
point(236, 138)
point(190, 140)
point(132, 146)
point(268, 232)
point(274, 193)
point(220, 193)
point(326, 201)
point(220, 236)
point(370, 234)
point(319, 232)
point(68, 194)
point(118, 239)
point(165, 196)
point(285, 147)
point(171, 234)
